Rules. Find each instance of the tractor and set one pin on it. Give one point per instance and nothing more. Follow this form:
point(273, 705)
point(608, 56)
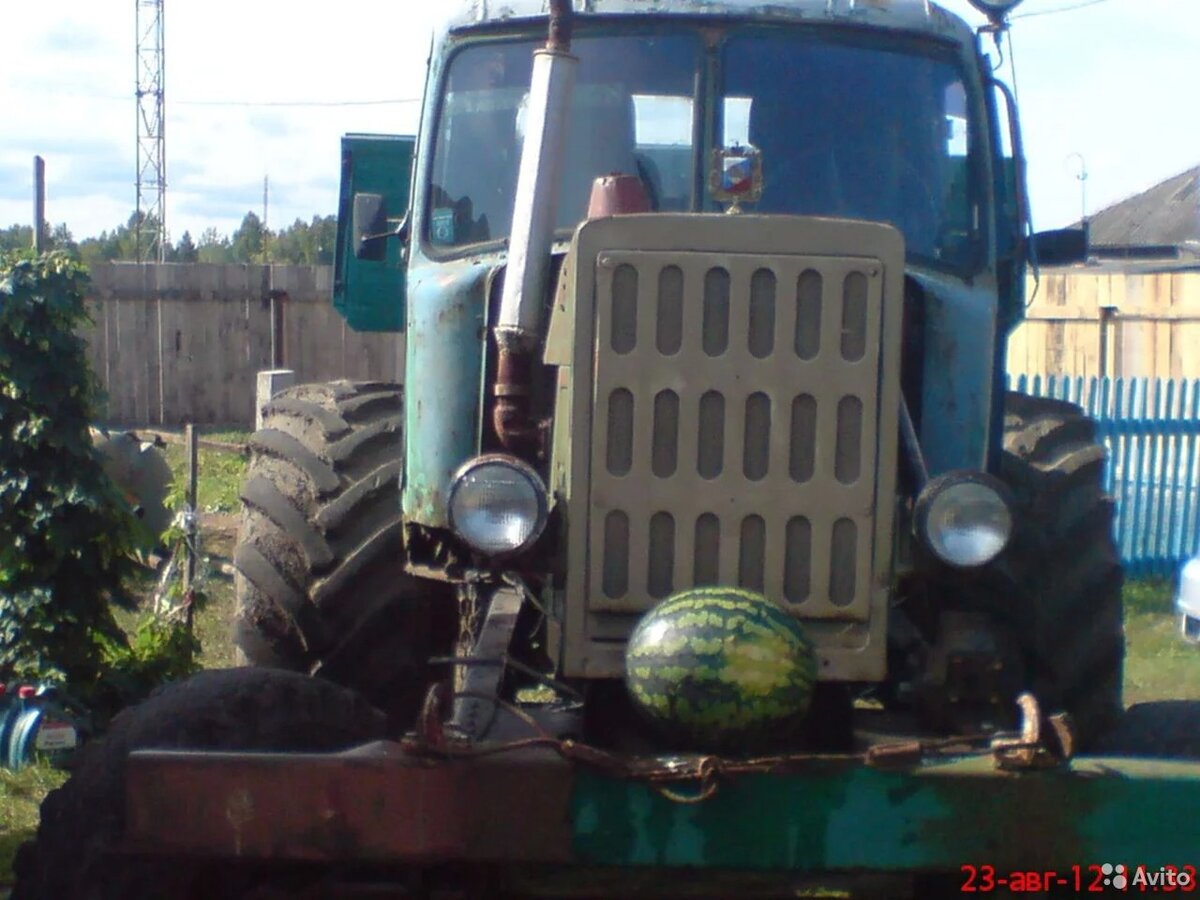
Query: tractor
point(703, 307)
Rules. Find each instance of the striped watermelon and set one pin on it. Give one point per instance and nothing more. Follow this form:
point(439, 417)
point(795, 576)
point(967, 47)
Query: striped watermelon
point(719, 668)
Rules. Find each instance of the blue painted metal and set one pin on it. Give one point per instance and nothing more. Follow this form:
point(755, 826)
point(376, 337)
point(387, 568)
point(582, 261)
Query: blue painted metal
point(443, 379)
point(1152, 431)
point(960, 345)
point(913, 16)
point(447, 302)
point(446, 323)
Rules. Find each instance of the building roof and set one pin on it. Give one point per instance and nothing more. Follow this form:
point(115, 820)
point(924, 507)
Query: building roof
point(910, 15)
point(1167, 215)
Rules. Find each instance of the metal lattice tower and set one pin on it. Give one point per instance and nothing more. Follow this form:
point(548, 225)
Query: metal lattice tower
point(151, 237)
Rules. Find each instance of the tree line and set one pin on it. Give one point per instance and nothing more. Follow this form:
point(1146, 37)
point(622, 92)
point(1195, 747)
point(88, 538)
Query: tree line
point(301, 243)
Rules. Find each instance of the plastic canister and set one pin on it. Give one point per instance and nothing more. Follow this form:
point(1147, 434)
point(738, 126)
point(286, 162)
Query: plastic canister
point(35, 724)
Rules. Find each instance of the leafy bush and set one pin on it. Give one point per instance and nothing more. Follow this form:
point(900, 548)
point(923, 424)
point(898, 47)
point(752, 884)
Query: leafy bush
point(66, 535)
point(159, 650)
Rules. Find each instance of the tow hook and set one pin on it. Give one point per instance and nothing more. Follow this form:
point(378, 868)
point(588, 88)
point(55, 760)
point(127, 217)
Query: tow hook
point(1035, 747)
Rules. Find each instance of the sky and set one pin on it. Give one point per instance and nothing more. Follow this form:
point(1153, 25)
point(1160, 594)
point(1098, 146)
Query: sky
point(255, 89)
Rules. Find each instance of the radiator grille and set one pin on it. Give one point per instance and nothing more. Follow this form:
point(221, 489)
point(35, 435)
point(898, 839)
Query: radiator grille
point(735, 416)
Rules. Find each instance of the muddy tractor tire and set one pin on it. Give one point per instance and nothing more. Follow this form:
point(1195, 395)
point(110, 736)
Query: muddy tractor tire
point(321, 586)
point(255, 710)
point(1166, 729)
point(1064, 562)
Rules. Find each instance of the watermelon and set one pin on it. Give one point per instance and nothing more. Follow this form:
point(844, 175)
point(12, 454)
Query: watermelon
point(720, 669)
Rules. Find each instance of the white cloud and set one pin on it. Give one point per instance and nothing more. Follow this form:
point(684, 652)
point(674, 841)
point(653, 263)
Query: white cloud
point(73, 78)
point(1110, 82)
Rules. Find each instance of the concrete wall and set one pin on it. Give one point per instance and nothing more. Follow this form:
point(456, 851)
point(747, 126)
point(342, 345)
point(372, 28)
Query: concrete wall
point(182, 343)
point(1131, 324)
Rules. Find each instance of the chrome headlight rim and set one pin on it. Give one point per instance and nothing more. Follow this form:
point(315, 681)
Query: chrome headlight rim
point(522, 468)
point(940, 489)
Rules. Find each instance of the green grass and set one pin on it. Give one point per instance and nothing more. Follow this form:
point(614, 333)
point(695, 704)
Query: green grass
point(21, 794)
point(214, 623)
point(220, 473)
point(218, 481)
point(1160, 665)
point(214, 618)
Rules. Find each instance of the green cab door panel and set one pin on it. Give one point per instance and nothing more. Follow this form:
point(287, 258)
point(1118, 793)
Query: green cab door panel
point(369, 275)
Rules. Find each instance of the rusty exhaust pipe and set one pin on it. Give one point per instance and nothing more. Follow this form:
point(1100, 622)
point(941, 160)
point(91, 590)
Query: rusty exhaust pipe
point(562, 21)
point(517, 331)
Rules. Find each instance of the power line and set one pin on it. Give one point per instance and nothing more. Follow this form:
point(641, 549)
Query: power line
point(297, 103)
point(1060, 9)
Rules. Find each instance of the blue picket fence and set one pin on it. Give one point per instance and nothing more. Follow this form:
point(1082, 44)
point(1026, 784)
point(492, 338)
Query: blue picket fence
point(1152, 430)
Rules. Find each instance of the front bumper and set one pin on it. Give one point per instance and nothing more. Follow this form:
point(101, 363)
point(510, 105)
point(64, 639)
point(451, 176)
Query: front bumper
point(530, 806)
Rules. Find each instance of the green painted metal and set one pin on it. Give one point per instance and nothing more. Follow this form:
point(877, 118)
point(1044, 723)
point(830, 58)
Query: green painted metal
point(840, 816)
point(369, 294)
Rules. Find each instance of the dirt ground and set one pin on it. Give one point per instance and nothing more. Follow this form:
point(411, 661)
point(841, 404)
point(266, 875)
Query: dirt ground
point(220, 533)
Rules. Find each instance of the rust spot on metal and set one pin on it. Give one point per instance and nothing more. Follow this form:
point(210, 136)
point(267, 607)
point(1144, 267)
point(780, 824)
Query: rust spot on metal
point(1029, 750)
point(239, 811)
point(895, 756)
point(512, 421)
point(561, 26)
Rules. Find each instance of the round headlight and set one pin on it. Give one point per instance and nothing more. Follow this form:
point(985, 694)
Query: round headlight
point(497, 504)
point(965, 518)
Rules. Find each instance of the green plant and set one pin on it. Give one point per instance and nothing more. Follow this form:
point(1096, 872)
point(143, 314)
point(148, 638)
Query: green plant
point(159, 649)
point(66, 536)
point(219, 479)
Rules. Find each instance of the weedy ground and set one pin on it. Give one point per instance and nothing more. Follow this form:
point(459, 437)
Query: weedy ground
point(1159, 665)
point(21, 794)
point(218, 482)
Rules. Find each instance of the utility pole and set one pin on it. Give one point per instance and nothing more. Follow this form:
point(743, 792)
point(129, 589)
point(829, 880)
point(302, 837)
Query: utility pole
point(150, 235)
point(266, 232)
point(39, 204)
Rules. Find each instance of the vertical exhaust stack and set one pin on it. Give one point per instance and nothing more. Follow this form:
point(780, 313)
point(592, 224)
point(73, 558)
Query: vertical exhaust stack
point(517, 331)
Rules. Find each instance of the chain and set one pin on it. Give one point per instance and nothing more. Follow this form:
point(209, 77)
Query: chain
point(468, 622)
point(706, 773)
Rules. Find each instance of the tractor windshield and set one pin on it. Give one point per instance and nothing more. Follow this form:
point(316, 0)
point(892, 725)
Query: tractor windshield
point(874, 130)
point(856, 131)
point(625, 87)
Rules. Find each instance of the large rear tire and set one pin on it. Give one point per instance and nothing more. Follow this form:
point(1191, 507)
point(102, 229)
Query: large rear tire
point(321, 585)
point(1064, 562)
point(253, 710)
point(1165, 729)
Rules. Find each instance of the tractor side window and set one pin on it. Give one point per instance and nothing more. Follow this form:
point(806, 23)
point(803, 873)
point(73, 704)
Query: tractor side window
point(631, 113)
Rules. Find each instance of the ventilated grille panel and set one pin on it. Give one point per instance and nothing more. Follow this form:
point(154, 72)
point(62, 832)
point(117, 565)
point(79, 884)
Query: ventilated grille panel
point(735, 428)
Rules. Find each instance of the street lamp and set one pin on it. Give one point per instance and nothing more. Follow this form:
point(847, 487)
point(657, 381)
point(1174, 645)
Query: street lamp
point(1082, 177)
